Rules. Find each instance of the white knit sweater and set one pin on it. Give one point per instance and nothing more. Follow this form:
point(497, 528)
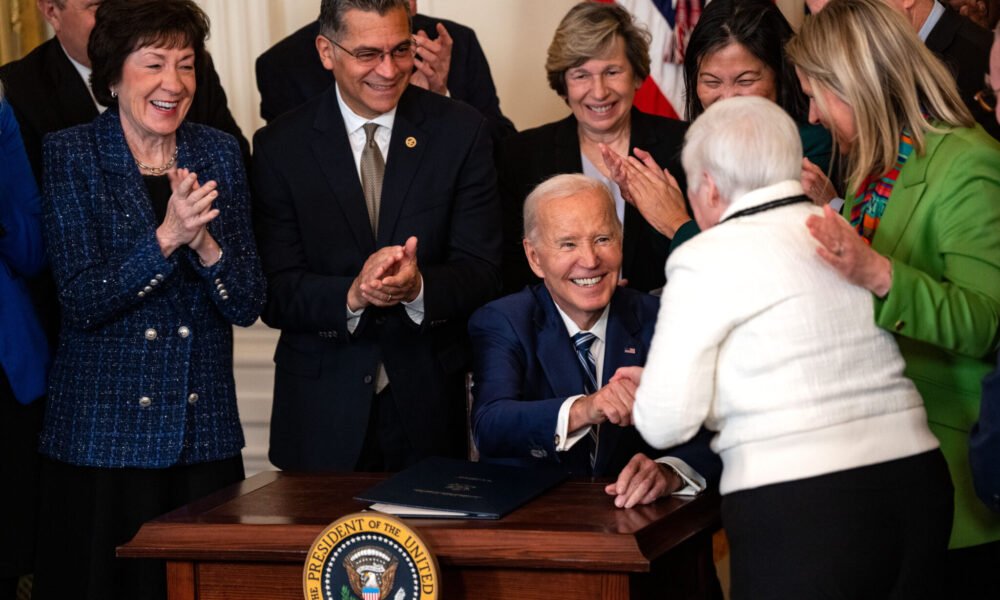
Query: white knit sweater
point(769, 346)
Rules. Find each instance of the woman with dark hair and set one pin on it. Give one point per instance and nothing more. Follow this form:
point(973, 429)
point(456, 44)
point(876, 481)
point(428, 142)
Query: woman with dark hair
point(24, 354)
point(597, 60)
point(737, 49)
point(148, 231)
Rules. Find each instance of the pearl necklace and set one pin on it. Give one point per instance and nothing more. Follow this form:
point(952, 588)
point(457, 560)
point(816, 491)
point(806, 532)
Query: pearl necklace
point(158, 170)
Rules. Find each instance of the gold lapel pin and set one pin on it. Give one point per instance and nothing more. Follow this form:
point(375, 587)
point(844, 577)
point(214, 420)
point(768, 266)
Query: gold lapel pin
point(411, 142)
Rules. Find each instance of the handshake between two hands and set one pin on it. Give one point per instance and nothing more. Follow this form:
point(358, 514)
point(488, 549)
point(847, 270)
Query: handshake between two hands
point(643, 480)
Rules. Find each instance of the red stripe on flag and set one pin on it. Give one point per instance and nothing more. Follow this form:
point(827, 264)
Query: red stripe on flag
point(651, 100)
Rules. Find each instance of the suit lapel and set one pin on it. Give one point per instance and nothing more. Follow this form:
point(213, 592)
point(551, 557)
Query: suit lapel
point(406, 148)
point(566, 156)
point(623, 348)
point(943, 33)
point(124, 180)
point(76, 105)
point(555, 350)
point(906, 195)
point(332, 151)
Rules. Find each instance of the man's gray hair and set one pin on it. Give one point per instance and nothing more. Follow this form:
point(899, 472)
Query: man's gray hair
point(744, 143)
point(563, 186)
point(331, 13)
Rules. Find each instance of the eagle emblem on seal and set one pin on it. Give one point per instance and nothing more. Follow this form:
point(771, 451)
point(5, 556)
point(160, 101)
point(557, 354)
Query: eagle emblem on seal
point(371, 572)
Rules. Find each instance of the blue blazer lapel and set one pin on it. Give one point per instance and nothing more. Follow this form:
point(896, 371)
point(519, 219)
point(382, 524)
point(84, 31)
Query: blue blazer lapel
point(623, 348)
point(333, 153)
point(406, 149)
point(555, 350)
point(905, 198)
point(124, 182)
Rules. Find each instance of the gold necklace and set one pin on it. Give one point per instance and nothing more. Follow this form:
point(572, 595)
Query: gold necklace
point(158, 170)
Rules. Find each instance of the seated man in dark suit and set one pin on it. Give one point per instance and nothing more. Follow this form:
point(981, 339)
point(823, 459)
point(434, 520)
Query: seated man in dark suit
point(539, 354)
point(370, 366)
point(450, 61)
point(49, 89)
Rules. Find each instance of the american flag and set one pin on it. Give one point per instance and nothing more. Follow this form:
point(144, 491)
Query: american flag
point(670, 22)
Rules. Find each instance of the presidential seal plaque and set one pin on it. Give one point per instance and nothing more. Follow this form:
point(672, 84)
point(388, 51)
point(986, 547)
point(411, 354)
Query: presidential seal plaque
point(370, 556)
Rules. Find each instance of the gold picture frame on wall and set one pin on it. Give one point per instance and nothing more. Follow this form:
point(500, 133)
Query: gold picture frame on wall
point(21, 29)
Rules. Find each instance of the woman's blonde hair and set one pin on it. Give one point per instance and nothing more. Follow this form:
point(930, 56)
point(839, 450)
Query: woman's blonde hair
point(587, 31)
point(866, 54)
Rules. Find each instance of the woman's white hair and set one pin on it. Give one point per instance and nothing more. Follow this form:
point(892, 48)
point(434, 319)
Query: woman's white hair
point(744, 143)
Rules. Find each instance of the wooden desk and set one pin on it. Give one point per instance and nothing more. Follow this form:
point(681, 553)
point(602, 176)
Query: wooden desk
point(250, 541)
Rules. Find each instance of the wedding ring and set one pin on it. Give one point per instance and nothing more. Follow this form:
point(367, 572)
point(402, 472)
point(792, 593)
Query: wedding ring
point(389, 298)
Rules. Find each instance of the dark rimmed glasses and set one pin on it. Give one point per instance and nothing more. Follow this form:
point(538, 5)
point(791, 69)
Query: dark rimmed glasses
point(369, 57)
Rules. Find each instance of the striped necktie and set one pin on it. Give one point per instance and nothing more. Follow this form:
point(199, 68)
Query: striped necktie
point(583, 340)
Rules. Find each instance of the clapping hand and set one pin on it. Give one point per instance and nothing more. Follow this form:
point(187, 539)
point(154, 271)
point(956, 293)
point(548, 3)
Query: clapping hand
point(189, 210)
point(433, 61)
point(652, 190)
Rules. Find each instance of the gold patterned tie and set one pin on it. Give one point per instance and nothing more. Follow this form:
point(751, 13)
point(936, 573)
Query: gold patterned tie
point(372, 173)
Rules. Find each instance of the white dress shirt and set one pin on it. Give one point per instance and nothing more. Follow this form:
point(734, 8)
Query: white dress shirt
point(354, 124)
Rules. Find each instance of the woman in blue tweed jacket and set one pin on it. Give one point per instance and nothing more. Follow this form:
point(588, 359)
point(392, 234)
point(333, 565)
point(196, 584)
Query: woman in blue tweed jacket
point(148, 231)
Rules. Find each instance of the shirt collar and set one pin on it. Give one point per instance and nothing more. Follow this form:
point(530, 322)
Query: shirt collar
point(353, 121)
point(782, 189)
point(932, 19)
point(599, 329)
point(84, 72)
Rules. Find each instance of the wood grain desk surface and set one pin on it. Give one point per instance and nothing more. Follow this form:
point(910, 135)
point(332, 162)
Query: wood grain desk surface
point(275, 516)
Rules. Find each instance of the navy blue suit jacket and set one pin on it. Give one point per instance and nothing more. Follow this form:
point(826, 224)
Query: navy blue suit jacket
point(290, 72)
point(526, 367)
point(315, 236)
point(143, 375)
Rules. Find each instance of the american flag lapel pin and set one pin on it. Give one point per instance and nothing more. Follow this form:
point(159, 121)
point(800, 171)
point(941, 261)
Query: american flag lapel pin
point(629, 349)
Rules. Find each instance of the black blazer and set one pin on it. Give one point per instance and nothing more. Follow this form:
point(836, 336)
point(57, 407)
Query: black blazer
point(314, 236)
point(47, 94)
point(965, 48)
point(290, 72)
point(534, 155)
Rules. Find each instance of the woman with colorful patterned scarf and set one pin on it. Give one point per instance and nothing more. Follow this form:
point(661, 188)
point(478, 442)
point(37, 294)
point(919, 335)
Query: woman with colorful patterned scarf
point(921, 230)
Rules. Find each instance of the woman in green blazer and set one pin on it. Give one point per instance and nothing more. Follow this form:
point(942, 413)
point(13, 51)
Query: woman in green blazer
point(924, 195)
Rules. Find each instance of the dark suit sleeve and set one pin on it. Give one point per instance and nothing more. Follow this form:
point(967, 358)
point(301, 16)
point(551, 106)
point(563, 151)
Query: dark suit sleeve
point(504, 424)
point(298, 299)
point(469, 275)
point(479, 90)
point(211, 107)
point(469, 78)
point(96, 284)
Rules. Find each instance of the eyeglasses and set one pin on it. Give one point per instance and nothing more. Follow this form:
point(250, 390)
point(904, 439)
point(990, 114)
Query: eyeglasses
point(987, 97)
point(369, 57)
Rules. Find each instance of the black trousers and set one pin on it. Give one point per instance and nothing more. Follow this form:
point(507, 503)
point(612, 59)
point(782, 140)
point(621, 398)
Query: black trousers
point(875, 532)
point(386, 446)
point(86, 512)
point(19, 467)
